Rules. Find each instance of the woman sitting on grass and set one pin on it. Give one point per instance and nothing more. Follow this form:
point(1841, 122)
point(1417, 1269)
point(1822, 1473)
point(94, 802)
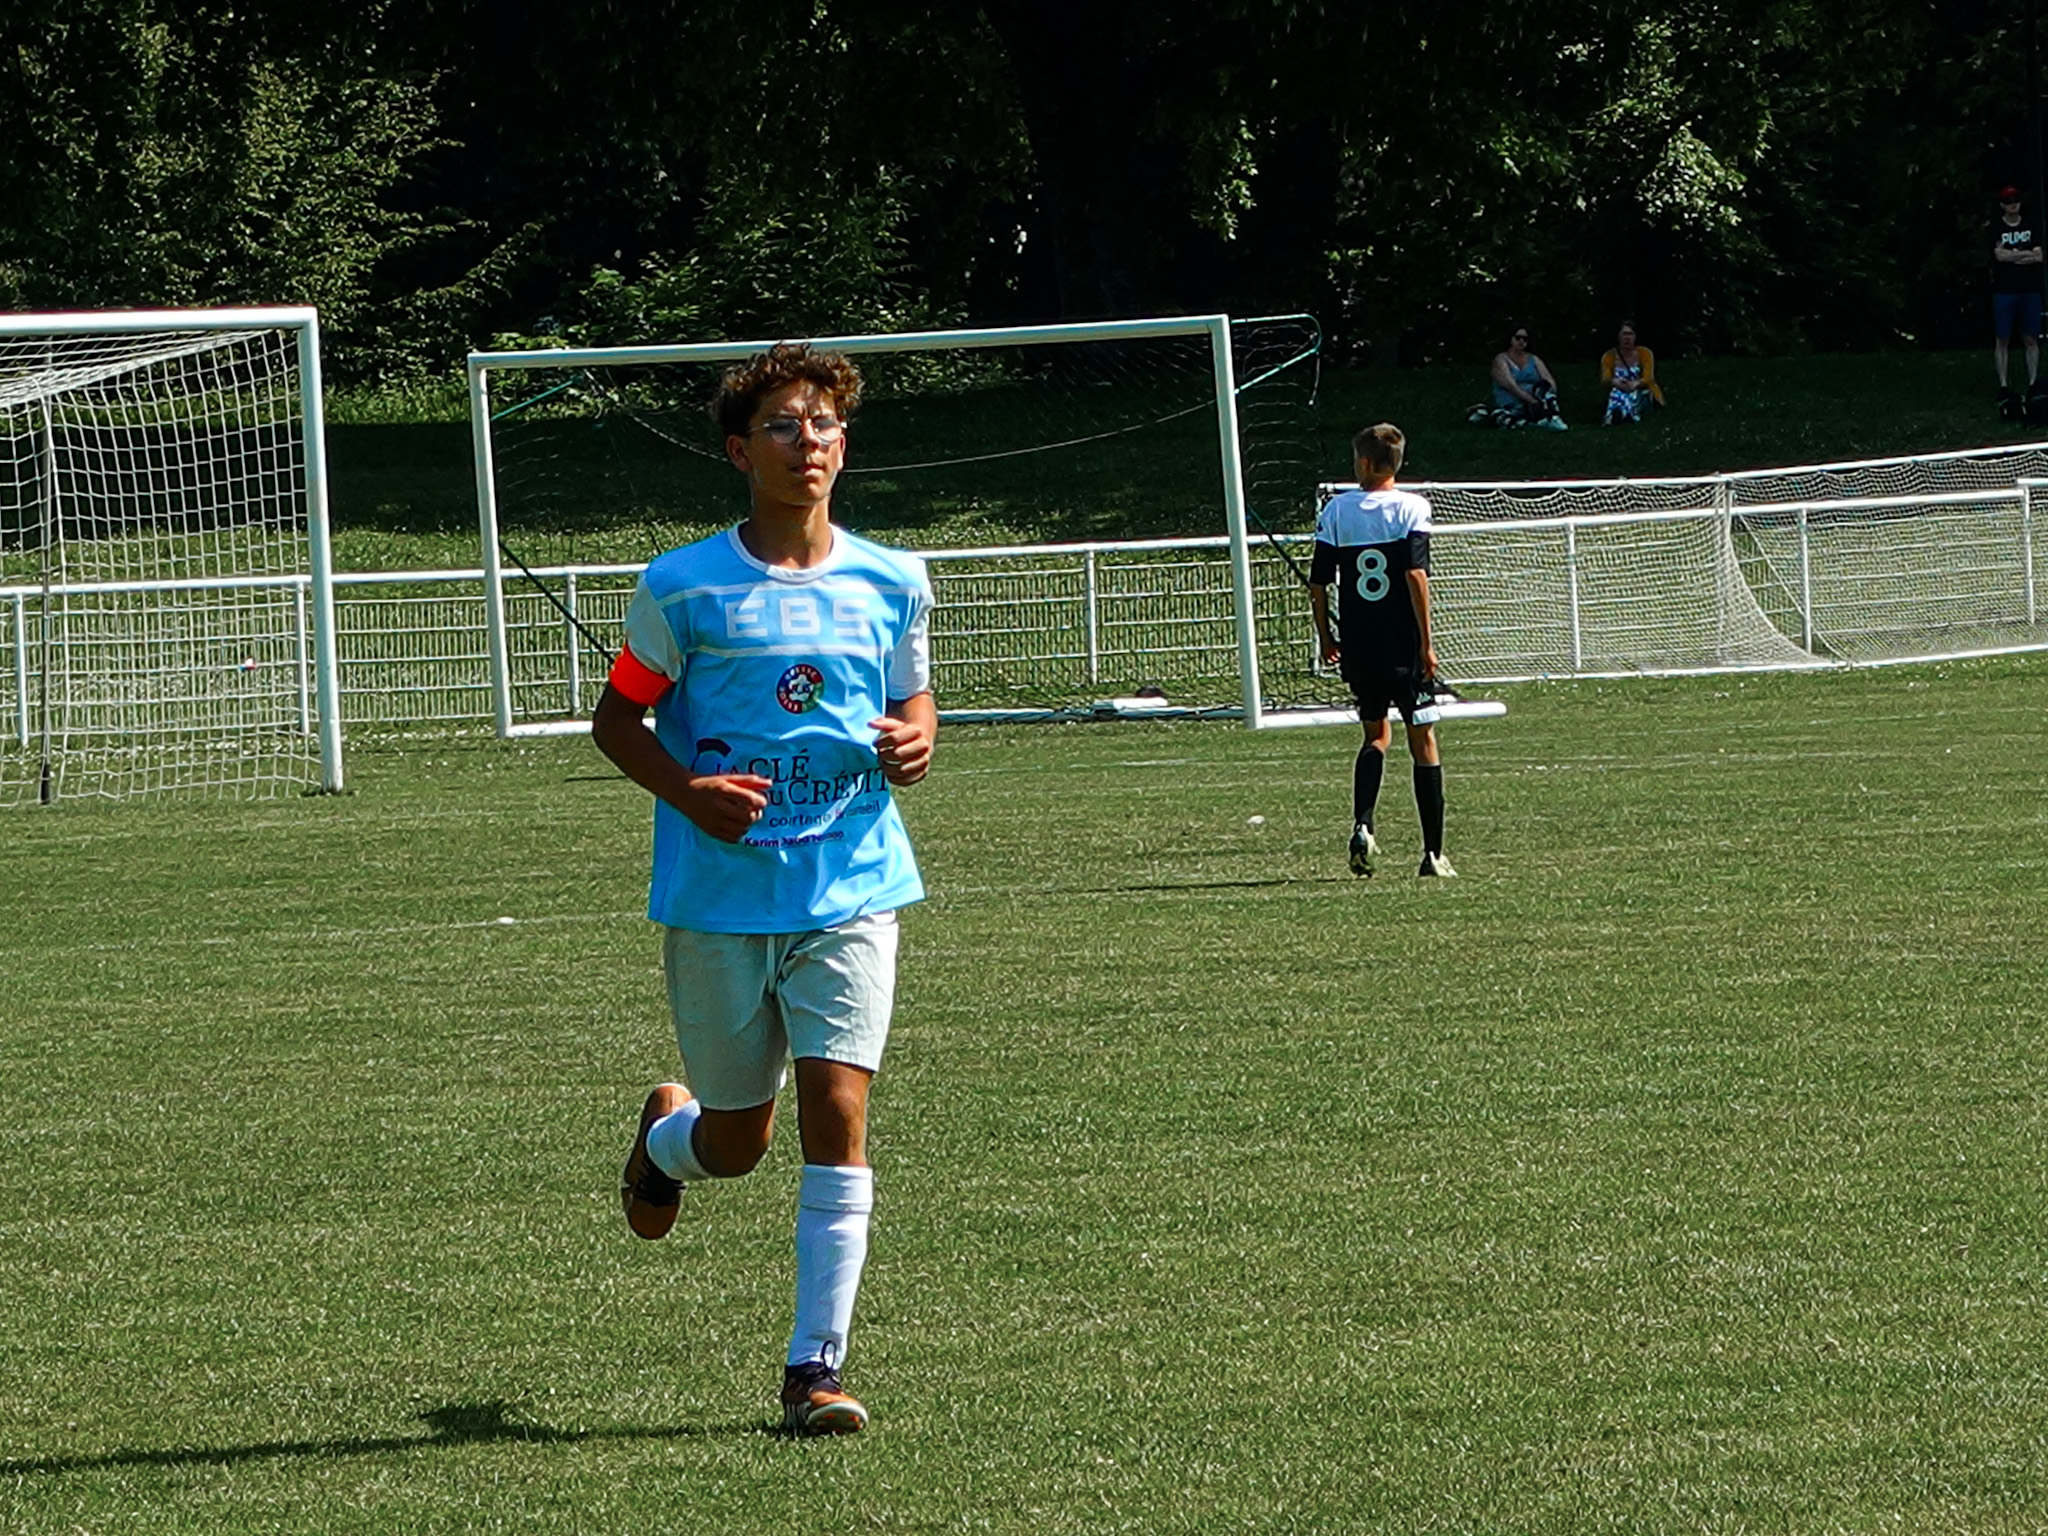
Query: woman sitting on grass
point(1524, 393)
point(1630, 374)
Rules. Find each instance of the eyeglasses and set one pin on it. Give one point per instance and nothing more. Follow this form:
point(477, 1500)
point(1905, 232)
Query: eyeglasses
point(1519, 336)
point(789, 430)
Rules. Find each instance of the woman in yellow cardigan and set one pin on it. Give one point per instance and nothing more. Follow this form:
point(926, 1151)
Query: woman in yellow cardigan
point(1630, 374)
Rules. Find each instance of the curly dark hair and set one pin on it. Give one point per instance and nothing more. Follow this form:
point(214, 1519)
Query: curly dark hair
point(787, 362)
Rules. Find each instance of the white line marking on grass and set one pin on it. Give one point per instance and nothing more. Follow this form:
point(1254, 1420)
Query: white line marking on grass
point(557, 918)
point(395, 930)
point(1235, 766)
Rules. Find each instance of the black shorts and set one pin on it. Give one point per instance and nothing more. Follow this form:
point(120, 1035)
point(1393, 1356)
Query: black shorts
point(2016, 314)
point(1403, 688)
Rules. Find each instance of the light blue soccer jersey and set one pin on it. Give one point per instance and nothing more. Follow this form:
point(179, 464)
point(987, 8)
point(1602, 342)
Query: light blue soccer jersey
point(778, 672)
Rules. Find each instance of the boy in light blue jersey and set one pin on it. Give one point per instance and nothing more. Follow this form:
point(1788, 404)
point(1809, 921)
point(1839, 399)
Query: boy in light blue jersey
point(788, 667)
point(778, 674)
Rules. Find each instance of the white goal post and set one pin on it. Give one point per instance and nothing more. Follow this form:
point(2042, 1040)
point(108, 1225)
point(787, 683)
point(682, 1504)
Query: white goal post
point(527, 404)
point(166, 582)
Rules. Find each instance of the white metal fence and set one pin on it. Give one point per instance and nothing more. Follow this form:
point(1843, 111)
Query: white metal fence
point(1841, 580)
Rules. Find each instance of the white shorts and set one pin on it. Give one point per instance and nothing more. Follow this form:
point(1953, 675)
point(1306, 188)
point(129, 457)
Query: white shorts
point(744, 1003)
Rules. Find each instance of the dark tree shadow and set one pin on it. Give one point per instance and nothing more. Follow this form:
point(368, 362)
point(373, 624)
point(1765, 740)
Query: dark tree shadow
point(454, 1424)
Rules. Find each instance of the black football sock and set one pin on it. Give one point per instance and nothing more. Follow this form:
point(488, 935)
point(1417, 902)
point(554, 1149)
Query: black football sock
point(1365, 783)
point(1429, 805)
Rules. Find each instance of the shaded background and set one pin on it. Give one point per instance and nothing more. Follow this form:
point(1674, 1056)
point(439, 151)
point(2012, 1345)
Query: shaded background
point(1737, 176)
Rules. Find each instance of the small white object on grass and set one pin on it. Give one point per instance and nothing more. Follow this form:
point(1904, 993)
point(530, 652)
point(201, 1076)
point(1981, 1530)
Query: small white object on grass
point(507, 922)
point(1255, 821)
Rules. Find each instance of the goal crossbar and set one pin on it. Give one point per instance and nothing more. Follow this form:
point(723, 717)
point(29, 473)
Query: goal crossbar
point(904, 341)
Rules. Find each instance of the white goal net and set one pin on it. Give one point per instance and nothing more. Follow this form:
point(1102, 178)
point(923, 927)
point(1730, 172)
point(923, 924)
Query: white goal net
point(1027, 464)
point(1872, 561)
point(166, 607)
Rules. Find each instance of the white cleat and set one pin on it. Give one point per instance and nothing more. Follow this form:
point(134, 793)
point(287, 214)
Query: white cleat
point(1364, 850)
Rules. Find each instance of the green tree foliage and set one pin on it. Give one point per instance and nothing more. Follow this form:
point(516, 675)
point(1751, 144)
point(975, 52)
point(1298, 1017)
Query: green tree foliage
point(1577, 163)
point(761, 268)
point(165, 154)
point(1733, 174)
point(677, 168)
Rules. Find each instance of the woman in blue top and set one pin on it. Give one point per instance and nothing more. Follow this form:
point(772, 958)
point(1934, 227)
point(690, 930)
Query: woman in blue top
point(1524, 393)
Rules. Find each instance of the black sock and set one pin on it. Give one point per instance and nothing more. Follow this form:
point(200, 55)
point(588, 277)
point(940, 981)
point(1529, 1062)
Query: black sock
point(1429, 805)
point(1365, 782)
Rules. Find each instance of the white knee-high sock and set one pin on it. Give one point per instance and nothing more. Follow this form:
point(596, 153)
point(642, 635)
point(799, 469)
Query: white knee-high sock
point(668, 1143)
point(833, 1205)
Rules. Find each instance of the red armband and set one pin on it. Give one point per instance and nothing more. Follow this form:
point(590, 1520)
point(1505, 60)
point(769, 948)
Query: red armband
point(637, 681)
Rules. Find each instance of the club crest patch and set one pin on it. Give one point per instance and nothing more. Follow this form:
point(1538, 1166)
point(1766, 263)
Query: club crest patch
point(800, 688)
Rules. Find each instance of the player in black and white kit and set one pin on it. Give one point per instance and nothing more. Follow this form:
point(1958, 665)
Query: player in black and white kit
point(1373, 544)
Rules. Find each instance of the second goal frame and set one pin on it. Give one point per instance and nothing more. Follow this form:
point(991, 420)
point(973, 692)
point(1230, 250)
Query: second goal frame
point(1214, 329)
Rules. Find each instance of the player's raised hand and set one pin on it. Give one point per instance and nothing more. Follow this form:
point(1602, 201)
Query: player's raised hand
point(725, 805)
point(904, 748)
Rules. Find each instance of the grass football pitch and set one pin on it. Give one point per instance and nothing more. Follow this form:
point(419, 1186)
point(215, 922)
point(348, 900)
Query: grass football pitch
point(1679, 1168)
